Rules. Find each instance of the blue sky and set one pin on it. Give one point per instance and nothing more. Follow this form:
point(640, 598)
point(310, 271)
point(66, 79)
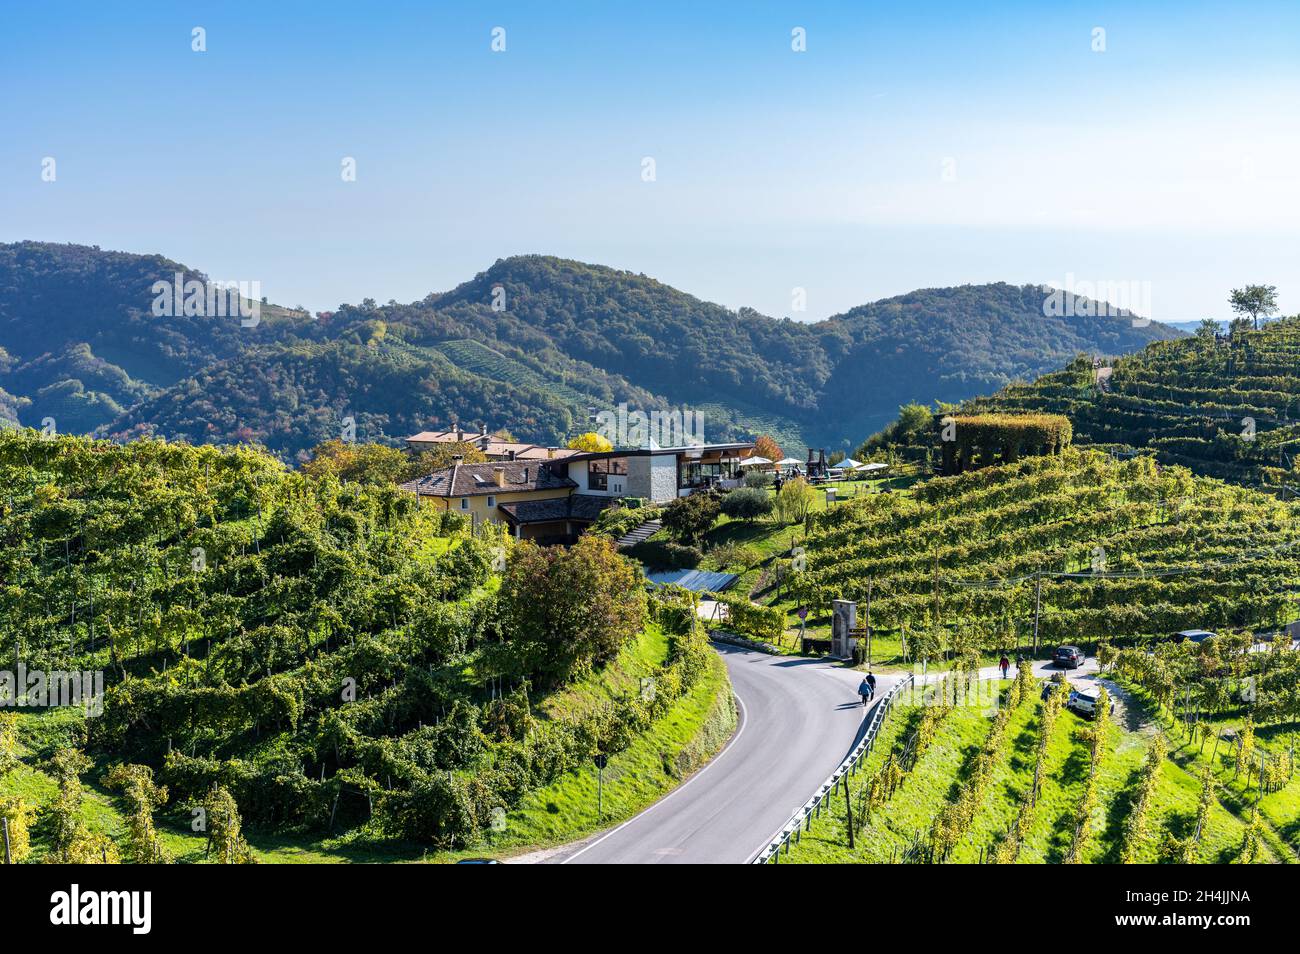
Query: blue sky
point(910, 145)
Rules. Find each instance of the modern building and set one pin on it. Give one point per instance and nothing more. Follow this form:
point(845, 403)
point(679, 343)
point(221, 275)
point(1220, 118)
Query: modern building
point(658, 474)
point(554, 499)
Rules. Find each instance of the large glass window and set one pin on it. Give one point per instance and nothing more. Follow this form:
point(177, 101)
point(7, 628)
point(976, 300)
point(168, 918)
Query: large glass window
point(705, 473)
point(599, 471)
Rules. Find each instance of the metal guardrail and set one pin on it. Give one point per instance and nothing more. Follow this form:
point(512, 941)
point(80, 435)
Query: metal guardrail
point(801, 820)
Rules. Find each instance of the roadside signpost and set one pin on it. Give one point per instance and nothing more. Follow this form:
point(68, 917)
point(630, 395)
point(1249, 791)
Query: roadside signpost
point(601, 760)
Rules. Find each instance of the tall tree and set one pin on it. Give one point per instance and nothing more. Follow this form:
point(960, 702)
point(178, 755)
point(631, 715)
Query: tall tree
point(592, 442)
point(1254, 302)
point(565, 612)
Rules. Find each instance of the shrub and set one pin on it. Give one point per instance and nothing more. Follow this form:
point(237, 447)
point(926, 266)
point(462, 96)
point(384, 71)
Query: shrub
point(452, 523)
point(681, 556)
point(795, 501)
point(747, 503)
point(763, 623)
point(616, 521)
point(759, 478)
point(735, 554)
point(686, 518)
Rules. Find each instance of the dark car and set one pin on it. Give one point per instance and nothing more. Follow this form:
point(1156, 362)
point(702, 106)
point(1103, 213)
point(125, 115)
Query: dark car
point(1068, 657)
point(1193, 636)
point(1052, 685)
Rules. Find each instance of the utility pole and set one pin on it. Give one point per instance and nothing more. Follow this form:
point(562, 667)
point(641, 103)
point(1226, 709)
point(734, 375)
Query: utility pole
point(1038, 606)
point(869, 583)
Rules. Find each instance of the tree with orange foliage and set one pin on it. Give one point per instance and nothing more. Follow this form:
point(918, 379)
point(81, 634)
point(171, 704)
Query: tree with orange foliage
point(766, 446)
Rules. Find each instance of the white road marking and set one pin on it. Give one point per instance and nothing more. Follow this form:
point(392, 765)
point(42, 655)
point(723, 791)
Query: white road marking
point(744, 720)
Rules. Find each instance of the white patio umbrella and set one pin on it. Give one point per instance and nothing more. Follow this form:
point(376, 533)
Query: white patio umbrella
point(754, 461)
point(871, 467)
point(790, 462)
point(849, 463)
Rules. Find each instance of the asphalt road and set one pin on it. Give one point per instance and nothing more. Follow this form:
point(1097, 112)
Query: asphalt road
point(798, 719)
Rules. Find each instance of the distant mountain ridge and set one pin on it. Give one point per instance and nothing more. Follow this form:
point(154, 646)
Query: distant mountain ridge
point(531, 345)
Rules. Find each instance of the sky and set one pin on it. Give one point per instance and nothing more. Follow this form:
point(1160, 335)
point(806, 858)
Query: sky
point(1147, 149)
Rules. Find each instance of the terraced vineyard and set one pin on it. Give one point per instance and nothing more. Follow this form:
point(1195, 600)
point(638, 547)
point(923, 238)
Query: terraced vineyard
point(1104, 549)
point(479, 358)
point(325, 660)
point(1036, 771)
point(1227, 407)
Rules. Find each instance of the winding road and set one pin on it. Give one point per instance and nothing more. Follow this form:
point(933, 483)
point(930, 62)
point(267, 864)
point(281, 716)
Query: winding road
point(799, 717)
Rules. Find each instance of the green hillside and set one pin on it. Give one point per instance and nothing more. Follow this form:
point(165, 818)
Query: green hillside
point(349, 667)
point(529, 346)
point(1226, 407)
point(1146, 797)
point(1109, 551)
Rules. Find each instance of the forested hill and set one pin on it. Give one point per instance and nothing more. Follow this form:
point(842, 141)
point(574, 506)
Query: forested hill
point(79, 343)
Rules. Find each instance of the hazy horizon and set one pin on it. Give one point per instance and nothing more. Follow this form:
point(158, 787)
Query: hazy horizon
point(900, 149)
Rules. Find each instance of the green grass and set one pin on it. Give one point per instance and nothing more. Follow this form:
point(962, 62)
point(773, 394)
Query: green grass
point(1279, 810)
point(691, 733)
point(618, 679)
point(914, 805)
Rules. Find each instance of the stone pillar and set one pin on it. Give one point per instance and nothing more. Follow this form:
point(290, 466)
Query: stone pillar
point(844, 619)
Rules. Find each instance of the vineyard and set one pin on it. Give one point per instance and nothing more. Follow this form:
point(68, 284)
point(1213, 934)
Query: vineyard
point(1078, 548)
point(1026, 781)
point(309, 656)
point(1225, 407)
point(479, 358)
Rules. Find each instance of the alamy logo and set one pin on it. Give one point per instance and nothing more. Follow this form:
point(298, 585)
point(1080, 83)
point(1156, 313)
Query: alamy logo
point(196, 299)
point(1108, 299)
point(73, 907)
point(624, 428)
point(37, 688)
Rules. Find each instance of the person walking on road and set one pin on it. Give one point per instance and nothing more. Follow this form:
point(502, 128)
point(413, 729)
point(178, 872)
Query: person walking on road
point(871, 681)
point(864, 690)
point(1004, 664)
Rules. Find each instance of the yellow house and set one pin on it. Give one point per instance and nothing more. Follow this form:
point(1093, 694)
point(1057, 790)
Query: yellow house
point(534, 498)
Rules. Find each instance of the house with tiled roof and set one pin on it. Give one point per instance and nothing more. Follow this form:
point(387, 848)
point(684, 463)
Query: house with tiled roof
point(492, 446)
point(533, 497)
point(554, 499)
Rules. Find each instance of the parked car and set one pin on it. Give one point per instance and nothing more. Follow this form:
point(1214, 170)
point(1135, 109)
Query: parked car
point(1084, 702)
point(1194, 636)
point(1068, 657)
point(1052, 685)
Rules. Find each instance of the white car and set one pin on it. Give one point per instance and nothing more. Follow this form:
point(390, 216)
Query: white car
point(1084, 702)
